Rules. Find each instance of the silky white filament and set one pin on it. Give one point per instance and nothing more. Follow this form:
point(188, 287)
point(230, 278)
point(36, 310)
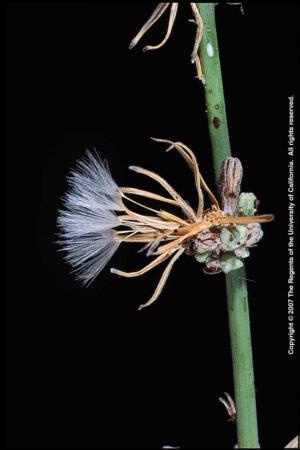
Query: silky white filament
point(79, 221)
point(86, 224)
point(92, 184)
point(89, 254)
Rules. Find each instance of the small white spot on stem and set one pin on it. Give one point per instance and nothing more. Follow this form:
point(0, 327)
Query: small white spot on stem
point(210, 50)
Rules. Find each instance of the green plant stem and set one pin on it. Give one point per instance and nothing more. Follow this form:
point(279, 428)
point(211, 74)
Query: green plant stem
point(236, 286)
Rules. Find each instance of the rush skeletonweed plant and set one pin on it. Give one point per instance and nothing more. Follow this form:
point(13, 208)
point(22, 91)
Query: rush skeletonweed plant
point(96, 219)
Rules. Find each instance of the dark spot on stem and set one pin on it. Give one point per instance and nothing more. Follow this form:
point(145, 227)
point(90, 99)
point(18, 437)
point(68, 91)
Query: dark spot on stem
point(216, 122)
point(217, 106)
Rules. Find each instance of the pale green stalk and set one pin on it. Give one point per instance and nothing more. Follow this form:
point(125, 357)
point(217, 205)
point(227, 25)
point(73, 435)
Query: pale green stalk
point(237, 299)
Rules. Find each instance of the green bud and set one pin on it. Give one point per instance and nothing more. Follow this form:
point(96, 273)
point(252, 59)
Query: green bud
point(202, 257)
point(230, 262)
point(246, 204)
point(234, 237)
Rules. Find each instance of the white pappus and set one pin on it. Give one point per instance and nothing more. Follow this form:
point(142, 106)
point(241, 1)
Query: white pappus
point(86, 224)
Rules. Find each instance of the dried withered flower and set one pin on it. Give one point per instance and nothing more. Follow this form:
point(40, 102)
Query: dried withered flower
point(96, 219)
point(157, 13)
point(229, 406)
point(230, 184)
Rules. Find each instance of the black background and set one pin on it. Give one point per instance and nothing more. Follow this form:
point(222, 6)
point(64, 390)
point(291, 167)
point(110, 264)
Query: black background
point(84, 368)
